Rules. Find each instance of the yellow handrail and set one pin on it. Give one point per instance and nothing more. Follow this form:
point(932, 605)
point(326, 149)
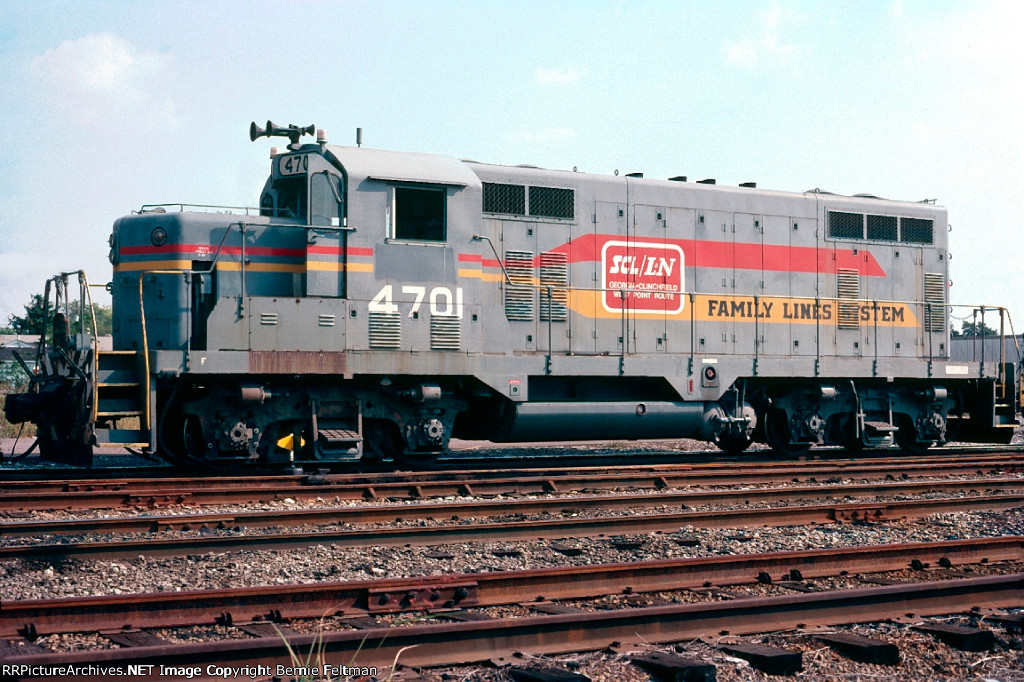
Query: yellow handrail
point(145, 338)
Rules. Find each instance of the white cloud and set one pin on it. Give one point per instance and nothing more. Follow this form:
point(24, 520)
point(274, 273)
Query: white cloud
point(100, 75)
point(559, 76)
point(742, 54)
point(769, 47)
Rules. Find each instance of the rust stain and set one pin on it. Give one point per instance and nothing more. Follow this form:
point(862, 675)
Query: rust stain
point(296, 362)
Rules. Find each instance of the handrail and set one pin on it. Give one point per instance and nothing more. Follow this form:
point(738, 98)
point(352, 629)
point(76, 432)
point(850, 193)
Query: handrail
point(145, 337)
point(157, 208)
point(83, 283)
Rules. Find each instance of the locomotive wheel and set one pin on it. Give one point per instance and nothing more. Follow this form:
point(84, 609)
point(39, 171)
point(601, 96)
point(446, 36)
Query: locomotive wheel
point(733, 445)
point(384, 441)
point(181, 439)
point(906, 438)
point(848, 434)
point(778, 435)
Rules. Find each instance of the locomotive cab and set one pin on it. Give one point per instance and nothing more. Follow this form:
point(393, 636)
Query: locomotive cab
point(305, 187)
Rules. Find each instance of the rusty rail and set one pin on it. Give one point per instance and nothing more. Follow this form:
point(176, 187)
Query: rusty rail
point(515, 530)
point(122, 492)
point(472, 641)
point(285, 602)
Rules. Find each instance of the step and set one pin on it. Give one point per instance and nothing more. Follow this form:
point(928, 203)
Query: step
point(118, 404)
point(137, 438)
point(333, 436)
point(118, 369)
point(118, 358)
point(117, 375)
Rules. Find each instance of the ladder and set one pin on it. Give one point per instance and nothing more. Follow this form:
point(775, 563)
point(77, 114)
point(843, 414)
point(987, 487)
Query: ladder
point(119, 397)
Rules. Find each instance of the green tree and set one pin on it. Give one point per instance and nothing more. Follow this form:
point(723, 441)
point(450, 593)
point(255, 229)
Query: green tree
point(12, 377)
point(32, 321)
point(104, 317)
point(975, 329)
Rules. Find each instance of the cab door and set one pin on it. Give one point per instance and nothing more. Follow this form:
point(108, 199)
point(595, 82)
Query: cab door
point(326, 237)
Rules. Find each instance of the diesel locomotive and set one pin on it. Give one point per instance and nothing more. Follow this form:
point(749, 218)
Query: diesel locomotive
point(377, 304)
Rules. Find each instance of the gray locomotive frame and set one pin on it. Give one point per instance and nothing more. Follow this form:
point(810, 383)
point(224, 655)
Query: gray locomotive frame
point(380, 303)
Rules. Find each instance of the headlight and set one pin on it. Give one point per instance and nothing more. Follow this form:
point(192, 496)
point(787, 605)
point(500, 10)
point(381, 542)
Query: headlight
point(158, 236)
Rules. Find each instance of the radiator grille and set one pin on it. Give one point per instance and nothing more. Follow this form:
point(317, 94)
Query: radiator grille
point(554, 272)
point(845, 225)
point(935, 293)
point(848, 287)
point(385, 330)
point(502, 198)
point(916, 230)
point(882, 227)
point(552, 202)
point(445, 332)
point(519, 299)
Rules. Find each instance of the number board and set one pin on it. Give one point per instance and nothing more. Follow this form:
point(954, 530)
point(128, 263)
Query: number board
point(293, 164)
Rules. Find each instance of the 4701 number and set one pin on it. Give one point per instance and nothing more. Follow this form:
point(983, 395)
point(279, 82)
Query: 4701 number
point(443, 302)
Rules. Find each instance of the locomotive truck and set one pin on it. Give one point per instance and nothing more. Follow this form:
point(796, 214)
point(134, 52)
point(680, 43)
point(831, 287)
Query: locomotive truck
point(378, 303)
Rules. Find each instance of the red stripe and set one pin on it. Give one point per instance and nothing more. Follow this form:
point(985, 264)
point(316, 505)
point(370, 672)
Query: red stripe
point(484, 262)
point(339, 251)
point(743, 256)
point(208, 250)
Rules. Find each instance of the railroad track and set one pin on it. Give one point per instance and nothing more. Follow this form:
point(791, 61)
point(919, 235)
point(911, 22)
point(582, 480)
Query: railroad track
point(283, 603)
point(19, 496)
point(467, 617)
point(487, 529)
point(476, 639)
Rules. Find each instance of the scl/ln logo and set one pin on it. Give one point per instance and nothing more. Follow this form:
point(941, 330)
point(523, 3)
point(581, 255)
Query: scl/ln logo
point(647, 275)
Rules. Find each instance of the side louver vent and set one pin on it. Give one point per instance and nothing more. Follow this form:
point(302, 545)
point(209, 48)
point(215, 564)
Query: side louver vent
point(519, 297)
point(935, 294)
point(554, 273)
point(385, 330)
point(445, 332)
point(848, 287)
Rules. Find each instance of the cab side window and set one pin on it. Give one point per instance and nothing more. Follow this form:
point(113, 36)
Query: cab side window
point(418, 214)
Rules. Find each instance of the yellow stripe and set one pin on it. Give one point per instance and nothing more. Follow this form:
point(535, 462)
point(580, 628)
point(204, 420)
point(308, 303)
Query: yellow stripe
point(482, 276)
point(324, 266)
point(772, 310)
point(234, 266)
point(135, 266)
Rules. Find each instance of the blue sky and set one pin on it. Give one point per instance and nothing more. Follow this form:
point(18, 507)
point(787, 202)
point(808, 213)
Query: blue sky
point(110, 105)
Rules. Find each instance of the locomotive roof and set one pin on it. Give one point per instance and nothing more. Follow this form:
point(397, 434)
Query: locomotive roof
point(379, 164)
point(363, 163)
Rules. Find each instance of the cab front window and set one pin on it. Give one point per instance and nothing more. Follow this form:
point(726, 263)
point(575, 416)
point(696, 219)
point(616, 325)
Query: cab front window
point(285, 199)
